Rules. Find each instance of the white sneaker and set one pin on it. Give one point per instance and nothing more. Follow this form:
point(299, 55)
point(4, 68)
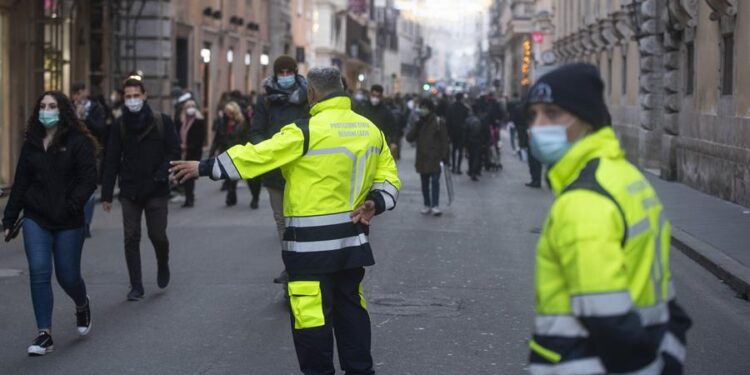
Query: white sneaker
point(436, 211)
point(425, 210)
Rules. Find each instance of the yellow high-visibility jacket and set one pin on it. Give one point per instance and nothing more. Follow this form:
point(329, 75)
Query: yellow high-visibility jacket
point(332, 163)
point(605, 300)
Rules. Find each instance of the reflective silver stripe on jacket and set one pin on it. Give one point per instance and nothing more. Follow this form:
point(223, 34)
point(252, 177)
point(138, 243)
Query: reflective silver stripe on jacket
point(639, 228)
point(654, 315)
point(225, 162)
point(571, 326)
point(672, 346)
point(559, 325)
point(318, 220)
point(386, 187)
point(585, 366)
point(388, 192)
point(329, 245)
point(601, 304)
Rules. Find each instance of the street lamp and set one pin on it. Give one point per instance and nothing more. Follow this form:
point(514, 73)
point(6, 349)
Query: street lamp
point(206, 55)
point(248, 58)
point(230, 56)
point(361, 77)
point(264, 59)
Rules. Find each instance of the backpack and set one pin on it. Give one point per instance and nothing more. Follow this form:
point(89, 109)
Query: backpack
point(158, 122)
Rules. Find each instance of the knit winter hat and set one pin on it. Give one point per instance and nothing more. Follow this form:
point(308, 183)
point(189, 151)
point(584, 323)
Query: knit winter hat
point(284, 62)
point(576, 88)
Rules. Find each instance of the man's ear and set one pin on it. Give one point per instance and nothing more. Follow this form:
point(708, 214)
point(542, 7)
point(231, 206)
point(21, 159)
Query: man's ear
point(311, 95)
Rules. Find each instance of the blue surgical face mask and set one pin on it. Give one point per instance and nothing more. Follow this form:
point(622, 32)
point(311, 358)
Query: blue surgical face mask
point(49, 119)
point(286, 81)
point(549, 143)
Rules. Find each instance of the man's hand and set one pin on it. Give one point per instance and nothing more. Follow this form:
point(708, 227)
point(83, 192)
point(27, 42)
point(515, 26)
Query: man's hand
point(364, 213)
point(107, 206)
point(6, 233)
point(183, 171)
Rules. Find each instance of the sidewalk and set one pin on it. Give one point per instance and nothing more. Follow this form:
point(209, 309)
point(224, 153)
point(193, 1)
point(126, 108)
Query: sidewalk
point(713, 232)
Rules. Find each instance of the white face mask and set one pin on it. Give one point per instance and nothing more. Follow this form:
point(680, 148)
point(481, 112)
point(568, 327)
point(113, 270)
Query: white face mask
point(134, 104)
point(190, 111)
point(374, 100)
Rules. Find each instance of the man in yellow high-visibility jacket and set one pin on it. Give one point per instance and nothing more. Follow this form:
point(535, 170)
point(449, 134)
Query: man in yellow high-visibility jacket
point(605, 300)
point(339, 174)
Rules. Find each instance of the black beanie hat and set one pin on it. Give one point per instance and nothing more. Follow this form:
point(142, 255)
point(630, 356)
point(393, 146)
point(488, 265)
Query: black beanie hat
point(576, 88)
point(284, 62)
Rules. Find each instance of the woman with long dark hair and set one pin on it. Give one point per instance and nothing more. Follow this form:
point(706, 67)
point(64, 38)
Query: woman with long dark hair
point(55, 176)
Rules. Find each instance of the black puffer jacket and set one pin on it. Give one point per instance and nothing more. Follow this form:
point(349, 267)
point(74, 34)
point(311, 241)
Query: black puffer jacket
point(52, 186)
point(141, 159)
point(274, 110)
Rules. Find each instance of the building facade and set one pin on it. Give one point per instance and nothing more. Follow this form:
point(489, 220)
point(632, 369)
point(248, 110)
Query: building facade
point(679, 100)
point(44, 45)
point(205, 46)
point(302, 33)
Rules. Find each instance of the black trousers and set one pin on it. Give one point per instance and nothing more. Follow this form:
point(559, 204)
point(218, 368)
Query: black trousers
point(475, 159)
point(253, 184)
point(325, 306)
point(457, 154)
point(189, 187)
point(156, 210)
point(535, 169)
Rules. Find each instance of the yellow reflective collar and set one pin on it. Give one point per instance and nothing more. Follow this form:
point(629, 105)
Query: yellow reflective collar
point(602, 143)
point(339, 101)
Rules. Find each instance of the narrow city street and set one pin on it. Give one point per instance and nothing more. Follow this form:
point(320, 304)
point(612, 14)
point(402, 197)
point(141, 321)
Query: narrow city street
point(448, 295)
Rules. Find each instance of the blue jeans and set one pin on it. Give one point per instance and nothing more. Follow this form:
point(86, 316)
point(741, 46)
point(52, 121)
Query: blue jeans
point(88, 209)
point(42, 247)
point(431, 189)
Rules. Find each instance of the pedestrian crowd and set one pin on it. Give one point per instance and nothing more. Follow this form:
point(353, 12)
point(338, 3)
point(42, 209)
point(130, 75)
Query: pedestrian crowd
point(327, 156)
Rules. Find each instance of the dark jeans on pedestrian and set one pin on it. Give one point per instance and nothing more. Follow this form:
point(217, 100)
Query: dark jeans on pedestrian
point(43, 248)
point(345, 318)
point(457, 155)
point(535, 169)
point(156, 210)
point(431, 189)
point(253, 184)
point(189, 188)
point(475, 159)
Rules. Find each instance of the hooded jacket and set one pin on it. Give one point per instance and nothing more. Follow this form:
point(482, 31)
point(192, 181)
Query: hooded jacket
point(275, 109)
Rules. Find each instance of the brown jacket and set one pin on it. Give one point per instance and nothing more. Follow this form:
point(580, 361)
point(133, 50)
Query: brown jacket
point(433, 144)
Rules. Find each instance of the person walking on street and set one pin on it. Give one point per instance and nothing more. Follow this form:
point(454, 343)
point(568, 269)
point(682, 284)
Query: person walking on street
point(55, 176)
point(141, 145)
point(455, 119)
point(193, 132)
point(475, 135)
point(329, 205)
point(284, 101)
point(94, 116)
point(376, 111)
point(519, 119)
point(231, 130)
point(605, 296)
point(433, 147)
